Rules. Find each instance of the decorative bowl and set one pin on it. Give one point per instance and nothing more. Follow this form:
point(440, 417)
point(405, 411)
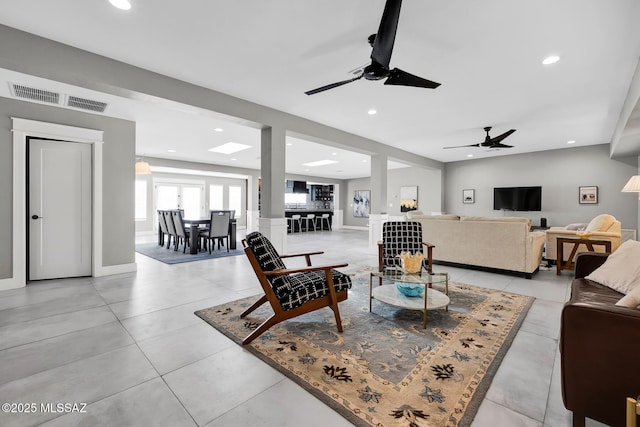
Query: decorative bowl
point(411, 263)
point(410, 289)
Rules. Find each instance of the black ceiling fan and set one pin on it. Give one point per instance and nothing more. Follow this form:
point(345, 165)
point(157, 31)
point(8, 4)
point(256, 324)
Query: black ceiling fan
point(489, 142)
point(382, 43)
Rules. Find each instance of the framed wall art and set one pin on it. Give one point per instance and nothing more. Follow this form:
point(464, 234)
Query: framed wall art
point(468, 196)
point(408, 198)
point(588, 195)
point(361, 203)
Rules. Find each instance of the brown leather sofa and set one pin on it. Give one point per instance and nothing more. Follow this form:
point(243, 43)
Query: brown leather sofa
point(599, 349)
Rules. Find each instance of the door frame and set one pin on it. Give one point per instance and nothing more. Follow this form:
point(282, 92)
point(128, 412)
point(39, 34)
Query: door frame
point(23, 128)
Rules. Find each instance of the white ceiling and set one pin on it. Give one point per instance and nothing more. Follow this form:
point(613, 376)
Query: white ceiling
point(487, 55)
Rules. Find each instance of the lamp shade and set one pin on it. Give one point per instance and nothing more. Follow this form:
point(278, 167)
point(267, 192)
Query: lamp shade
point(142, 168)
point(633, 185)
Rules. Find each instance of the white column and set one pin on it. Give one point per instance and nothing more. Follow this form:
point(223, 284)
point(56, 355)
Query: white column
point(273, 151)
point(378, 212)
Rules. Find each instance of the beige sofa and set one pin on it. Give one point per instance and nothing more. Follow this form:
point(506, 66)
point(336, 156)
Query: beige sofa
point(602, 227)
point(500, 243)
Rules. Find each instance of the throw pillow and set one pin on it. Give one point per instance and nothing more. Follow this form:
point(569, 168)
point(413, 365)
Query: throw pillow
point(631, 300)
point(576, 227)
point(601, 223)
point(621, 270)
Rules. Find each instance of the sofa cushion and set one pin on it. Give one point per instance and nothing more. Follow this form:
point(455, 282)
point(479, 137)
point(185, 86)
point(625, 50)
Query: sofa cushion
point(412, 214)
point(621, 270)
point(632, 299)
point(602, 222)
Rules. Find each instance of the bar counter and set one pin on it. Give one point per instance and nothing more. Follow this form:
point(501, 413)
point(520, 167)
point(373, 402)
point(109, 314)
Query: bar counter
point(288, 213)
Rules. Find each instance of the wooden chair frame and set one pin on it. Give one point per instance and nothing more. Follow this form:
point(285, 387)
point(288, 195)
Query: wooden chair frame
point(330, 300)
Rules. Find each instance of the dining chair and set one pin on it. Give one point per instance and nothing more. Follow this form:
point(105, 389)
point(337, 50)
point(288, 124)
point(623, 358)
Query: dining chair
point(163, 228)
point(168, 219)
point(218, 230)
point(182, 233)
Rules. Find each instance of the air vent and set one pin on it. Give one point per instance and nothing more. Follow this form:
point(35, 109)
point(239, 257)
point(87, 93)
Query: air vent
point(34, 94)
point(86, 104)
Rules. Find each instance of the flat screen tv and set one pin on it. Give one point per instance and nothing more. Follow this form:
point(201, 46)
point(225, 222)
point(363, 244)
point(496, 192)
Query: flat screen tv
point(517, 198)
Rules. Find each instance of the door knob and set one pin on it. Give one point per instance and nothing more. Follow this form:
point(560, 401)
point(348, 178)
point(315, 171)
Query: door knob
point(36, 217)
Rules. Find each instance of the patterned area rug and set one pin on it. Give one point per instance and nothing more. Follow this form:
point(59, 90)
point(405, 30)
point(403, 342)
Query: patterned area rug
point(169, 256)
point(385, 369)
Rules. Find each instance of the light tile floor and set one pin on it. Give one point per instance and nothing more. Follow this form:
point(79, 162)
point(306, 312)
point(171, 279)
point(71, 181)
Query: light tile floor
point(130, 347)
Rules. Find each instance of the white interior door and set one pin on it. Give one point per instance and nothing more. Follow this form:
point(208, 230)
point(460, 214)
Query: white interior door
point(59, 209)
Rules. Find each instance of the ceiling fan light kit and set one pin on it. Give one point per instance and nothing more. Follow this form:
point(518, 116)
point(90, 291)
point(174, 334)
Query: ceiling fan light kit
point(382, 44)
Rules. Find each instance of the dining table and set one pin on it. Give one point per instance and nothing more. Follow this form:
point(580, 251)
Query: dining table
point(194, 235)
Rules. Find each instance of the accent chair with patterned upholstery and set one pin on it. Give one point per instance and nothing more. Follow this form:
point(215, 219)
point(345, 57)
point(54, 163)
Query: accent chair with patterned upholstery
point(292, 291)
point(402, 236)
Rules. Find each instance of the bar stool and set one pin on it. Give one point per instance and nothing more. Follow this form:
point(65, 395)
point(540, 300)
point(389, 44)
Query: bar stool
point(291, 222)
point(312, 218)
point(324, 218)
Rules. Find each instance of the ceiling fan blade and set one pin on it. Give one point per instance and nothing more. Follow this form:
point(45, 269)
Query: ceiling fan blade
point(499, 138)
point(462, 146)
point(386, 35)
point(499, 145)
point(402, 78)
point(333, 85)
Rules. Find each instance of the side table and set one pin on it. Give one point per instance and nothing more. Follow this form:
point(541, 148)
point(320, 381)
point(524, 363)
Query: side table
point(568, 264)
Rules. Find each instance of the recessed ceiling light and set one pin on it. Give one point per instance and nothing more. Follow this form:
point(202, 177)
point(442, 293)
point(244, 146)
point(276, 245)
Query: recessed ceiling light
point(550, 60)
point(371, 112)
point(218, 129)
point(171, 151)
point(320, 163)
point(469, 155)
point(121, 4)
point(233, 159)
point(334, 154)
point(306, 170)
point(364, 161)
point(289, 144)
point(571, 142)
point(229, 147)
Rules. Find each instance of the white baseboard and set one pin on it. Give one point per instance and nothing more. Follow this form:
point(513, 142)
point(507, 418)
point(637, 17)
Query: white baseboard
point(10, 283)
point(116, 269)
point(355, 227)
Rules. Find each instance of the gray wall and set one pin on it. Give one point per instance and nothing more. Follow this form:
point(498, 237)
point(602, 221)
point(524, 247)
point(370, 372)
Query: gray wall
point(559, 172)
point(118, 175)
point(429, 182)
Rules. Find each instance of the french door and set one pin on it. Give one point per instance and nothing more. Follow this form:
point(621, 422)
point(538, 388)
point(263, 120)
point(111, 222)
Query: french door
point(181, 195)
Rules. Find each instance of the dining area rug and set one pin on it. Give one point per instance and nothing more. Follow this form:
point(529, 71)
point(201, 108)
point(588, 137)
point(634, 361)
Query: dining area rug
point(169, 256)
point(385, 369)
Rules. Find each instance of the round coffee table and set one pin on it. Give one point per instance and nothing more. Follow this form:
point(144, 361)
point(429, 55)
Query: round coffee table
point(388, 293)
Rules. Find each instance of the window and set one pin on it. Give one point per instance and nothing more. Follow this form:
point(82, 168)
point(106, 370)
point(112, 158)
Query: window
point(235, 199)
point(216, 197)
point(141, 200)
